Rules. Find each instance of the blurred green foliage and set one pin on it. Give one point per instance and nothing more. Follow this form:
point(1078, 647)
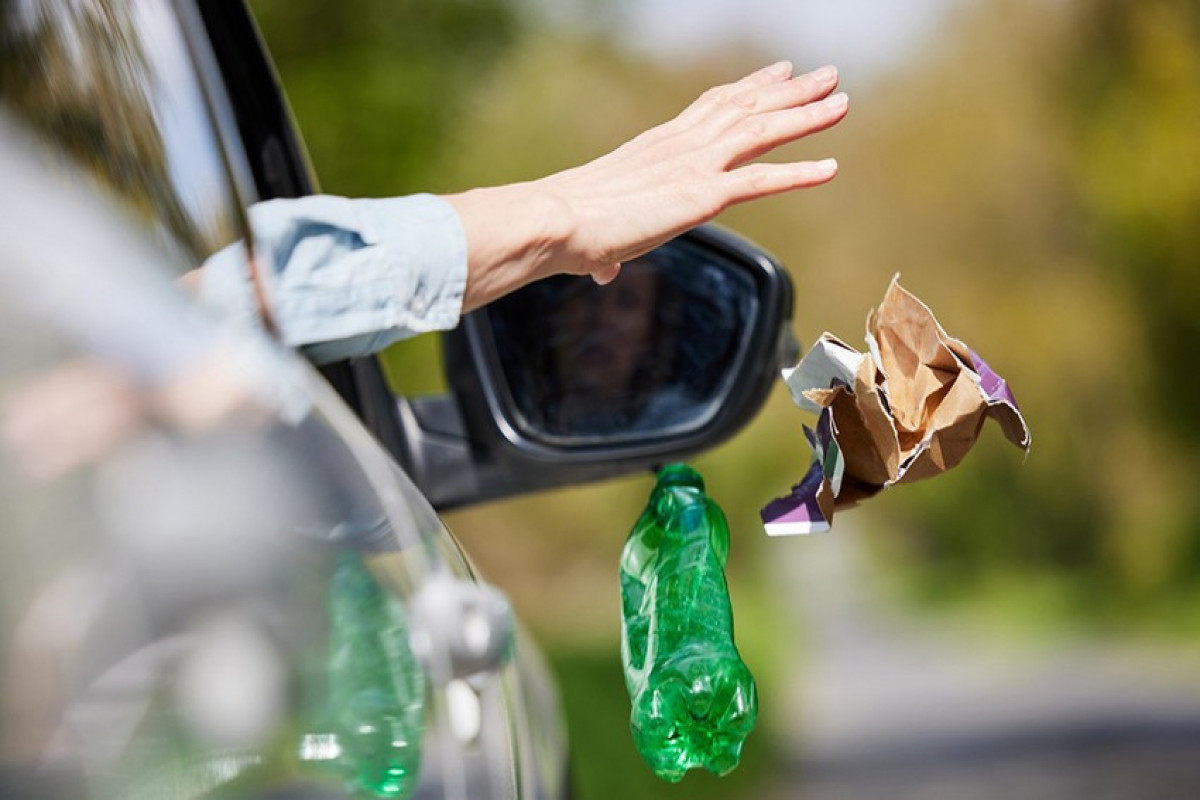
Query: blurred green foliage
point(1034, 174)
point(1135, 113)
point(379, 84)
point(1105, 504)
point(1035, 177)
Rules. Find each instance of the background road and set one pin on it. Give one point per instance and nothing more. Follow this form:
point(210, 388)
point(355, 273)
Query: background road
point(894, 707)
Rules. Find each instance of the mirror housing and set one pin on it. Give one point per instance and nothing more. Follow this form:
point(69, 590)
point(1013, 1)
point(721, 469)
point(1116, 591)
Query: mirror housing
point(547, 392)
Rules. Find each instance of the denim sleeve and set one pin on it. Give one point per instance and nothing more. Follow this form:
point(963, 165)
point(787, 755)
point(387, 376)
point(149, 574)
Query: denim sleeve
point(346, 278)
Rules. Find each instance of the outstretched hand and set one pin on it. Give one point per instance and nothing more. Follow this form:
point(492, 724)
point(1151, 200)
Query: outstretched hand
point(588, 219)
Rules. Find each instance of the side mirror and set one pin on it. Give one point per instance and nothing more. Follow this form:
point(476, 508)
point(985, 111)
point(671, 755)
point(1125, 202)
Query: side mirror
point(566, 382)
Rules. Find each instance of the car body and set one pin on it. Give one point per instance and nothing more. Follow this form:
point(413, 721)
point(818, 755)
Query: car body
point(180, 494)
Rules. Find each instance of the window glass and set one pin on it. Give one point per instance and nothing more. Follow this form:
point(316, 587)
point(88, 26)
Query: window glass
point(111, 85)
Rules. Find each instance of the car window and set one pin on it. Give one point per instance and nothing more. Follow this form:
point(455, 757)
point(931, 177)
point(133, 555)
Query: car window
point(113, 85)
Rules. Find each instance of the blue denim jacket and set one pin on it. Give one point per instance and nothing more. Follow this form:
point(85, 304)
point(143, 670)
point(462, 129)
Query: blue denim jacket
point(346, 278)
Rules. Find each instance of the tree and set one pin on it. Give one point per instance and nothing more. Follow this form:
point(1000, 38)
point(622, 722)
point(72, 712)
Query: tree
point(377, 84)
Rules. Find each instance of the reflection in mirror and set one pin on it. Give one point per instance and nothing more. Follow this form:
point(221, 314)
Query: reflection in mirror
point(649, 354)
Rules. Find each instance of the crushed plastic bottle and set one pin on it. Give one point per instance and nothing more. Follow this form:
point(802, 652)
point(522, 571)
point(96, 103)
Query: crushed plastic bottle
point(371, 732)
point(693, 699)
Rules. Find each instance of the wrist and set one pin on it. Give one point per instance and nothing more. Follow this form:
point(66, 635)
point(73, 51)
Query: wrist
point(515, 234)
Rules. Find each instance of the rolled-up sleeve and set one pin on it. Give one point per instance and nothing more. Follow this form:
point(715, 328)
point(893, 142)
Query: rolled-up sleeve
point(347, 277)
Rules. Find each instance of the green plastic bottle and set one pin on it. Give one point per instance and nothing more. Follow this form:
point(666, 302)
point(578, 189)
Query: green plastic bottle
point(693, 699)
point(372, 726)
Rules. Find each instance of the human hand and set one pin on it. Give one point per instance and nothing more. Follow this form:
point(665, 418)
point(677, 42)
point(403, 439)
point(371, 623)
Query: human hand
point(689, 169)
point(684, 172)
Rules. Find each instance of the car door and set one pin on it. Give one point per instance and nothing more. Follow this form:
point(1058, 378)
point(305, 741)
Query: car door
point(165, 120)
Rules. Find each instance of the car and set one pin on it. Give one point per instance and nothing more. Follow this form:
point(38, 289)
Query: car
point(224, 570)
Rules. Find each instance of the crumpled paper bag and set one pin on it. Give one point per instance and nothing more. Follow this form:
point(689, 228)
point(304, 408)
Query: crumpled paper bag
point(908, 409)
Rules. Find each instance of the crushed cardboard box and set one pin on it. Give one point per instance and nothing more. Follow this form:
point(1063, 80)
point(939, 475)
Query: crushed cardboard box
point(908, 409)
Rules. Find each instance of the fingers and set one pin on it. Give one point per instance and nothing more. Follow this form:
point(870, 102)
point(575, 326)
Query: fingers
point(686, 171)
point(760, 180)
point(712, 115)
point(776, 73)
point(787, 94)
point(764, 132)
point(773, 73)
point(733, 107)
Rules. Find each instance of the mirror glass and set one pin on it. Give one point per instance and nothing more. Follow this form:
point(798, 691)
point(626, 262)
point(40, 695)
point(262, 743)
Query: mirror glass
point(651, 353)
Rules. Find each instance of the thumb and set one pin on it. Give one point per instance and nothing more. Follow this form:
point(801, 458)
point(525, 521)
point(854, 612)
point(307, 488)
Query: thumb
point(607, 275)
